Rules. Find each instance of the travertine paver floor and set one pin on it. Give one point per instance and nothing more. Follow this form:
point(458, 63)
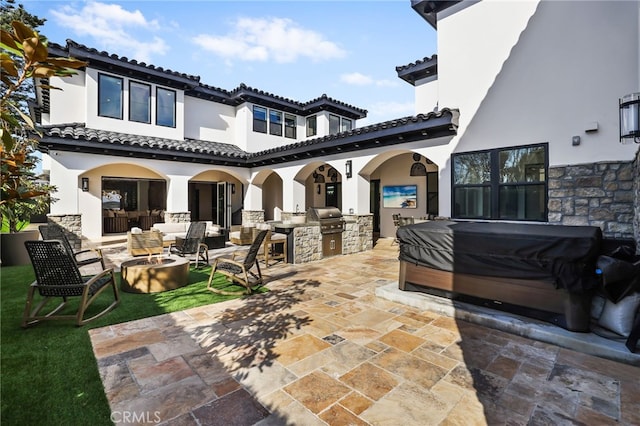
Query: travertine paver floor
point(321, 348)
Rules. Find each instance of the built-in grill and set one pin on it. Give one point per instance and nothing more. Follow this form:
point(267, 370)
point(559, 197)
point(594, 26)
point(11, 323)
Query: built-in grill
point(331, 227)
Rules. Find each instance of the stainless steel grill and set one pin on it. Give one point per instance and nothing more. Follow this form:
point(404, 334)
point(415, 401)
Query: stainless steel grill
point(331, 227)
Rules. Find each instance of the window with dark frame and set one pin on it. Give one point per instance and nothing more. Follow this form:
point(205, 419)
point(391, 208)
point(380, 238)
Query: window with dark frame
point(290, 126)
point(165, 107)
point(110, 96)
point(275, 122)
point(259, 119)
point(139, 102)
point(502, 183)
point(334, 124)
point(346, 125)
point(312, 126)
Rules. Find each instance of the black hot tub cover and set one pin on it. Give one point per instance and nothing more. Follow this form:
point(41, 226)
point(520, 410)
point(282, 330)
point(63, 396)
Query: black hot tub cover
point(565, 255)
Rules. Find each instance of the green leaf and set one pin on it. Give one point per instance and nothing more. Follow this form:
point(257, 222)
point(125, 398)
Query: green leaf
point(7, 139)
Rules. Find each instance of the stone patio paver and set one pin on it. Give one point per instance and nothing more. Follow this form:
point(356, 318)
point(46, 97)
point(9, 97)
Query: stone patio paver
point(317, 351)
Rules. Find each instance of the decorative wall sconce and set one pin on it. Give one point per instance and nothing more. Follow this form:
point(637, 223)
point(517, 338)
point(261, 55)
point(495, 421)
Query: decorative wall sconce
point(319, 189)
point(348, 170)
point(85, 184)
point(233, 188)
point(630, 118)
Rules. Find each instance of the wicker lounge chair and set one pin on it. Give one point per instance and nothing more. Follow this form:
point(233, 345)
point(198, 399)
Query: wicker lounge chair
point(55, 232)
point(58, 276)
point(238, 270)
point(192, 243)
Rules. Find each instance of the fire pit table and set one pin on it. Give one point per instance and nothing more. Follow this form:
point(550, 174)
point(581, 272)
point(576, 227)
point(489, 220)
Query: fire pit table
point(154, 274)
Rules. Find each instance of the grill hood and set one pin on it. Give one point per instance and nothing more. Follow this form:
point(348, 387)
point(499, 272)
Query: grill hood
point(319, 214)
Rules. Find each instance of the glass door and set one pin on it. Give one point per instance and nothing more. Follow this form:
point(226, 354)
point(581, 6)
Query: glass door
point(221, 216)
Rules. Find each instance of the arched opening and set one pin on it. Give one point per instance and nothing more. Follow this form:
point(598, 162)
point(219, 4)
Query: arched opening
point(216, 196)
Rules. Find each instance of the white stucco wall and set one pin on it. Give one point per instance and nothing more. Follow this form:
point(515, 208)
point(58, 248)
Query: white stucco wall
point(206, 120)
point(426, 95)
point(529, 72)
point(72, 95)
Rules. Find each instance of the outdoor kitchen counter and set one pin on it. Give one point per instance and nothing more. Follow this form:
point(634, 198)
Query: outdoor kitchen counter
point(304, 241)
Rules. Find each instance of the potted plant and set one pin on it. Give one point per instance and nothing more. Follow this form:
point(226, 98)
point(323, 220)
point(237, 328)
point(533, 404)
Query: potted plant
point(24, 56)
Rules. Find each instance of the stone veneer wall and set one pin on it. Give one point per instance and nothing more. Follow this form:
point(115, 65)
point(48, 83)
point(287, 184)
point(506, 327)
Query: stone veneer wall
point(598, 194)
point(307, 242)
point(72, 224)
point(358, 235)
point(177, 217)
point(252, 216)
point(636, 199)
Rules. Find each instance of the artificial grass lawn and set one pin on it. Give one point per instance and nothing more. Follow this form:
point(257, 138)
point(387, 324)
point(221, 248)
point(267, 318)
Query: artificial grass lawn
point(49, 372)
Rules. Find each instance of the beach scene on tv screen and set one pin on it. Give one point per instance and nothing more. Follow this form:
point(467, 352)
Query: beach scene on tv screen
point(400, 196)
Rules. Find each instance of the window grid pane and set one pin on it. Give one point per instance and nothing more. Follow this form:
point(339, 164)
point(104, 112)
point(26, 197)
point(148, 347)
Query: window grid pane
point(139, 102)
point(290, 126)
point(275, 122)
point(109, 96)
point(166, 108)
point(334, 124)
point(522, 165)
point(259, 119)
point(312, 126)
point(346, 125)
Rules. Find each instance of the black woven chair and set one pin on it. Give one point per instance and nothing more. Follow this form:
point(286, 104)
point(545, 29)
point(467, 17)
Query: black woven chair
point(55, 232)
point(192, 243)
point(238, 270)
point(58, 276)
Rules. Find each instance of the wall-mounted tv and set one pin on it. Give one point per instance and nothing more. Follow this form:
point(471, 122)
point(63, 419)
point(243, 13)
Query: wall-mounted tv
point(400, 196)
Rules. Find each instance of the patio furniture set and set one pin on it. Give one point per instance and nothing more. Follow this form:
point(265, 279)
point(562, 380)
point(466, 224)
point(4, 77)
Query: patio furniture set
point(58, 269)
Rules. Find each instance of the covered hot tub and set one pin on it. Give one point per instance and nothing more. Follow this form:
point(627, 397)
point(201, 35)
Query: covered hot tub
point(543, 271)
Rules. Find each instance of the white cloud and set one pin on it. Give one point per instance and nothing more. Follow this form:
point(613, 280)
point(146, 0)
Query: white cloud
point(113, 28)
point(263, 39)
point(358, 79)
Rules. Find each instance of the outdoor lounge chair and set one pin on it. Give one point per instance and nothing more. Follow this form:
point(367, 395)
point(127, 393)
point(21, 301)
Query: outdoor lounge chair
point(58, 275)
point(55, 232)
point(238, 270)
point(192, 243)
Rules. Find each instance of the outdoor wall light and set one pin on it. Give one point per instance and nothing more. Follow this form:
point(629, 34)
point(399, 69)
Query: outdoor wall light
point(233, 188)
point(319, 189)
point(630, 118)
point(85, 184)
point(348, 169)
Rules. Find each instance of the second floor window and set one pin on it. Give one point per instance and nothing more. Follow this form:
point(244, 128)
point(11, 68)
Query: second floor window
point(290, 126)
point(165, 107)
point(312, 126)
point(139, 102)
point(275, 123)
point(346, 125)
point(259, 119)
point(109, 96)
point(334, 124)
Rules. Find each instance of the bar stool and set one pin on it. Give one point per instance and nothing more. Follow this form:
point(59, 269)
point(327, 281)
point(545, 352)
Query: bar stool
point(270, 242)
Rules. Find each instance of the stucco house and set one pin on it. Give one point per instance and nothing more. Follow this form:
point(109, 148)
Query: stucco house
point(516, 119)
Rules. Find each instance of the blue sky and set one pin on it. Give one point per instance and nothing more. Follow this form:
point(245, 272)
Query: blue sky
point(299, 50)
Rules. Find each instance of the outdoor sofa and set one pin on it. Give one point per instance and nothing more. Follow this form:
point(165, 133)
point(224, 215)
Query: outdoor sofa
point(214, 235)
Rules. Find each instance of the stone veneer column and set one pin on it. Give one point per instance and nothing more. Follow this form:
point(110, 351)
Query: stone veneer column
point(177, 217)
point(72, 224)
point(358, 235)
point(307, 244)
point(252, 216)
point(597, 194)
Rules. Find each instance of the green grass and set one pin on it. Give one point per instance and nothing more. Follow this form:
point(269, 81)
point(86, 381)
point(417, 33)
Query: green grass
point(48, 372)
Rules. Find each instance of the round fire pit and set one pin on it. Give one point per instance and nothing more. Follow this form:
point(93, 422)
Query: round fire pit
point(154, 274)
